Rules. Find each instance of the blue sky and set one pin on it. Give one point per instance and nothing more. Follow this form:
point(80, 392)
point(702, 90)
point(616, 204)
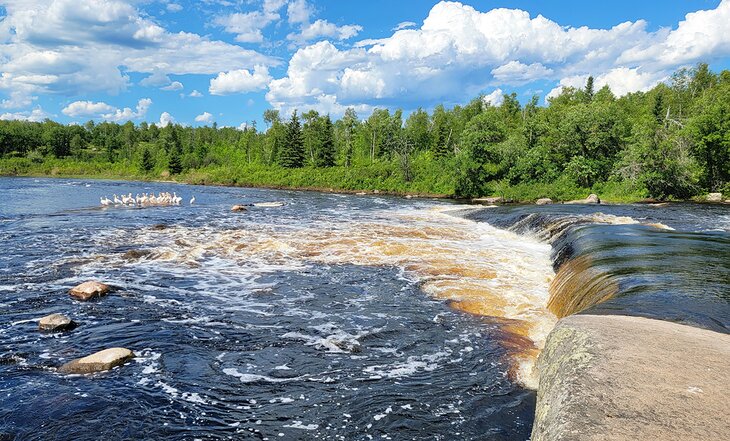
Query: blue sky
point(226, 61)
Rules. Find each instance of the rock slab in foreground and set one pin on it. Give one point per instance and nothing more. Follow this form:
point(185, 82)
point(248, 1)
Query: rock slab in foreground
point(544, 201)
point(96, 362)
point(55, 323)
point(89, 290)
point(631, 378)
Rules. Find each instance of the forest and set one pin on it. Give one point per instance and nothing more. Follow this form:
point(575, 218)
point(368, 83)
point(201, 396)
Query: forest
point(671, 142)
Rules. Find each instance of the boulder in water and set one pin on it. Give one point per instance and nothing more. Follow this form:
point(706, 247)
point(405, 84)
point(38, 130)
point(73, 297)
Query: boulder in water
point(89, 290)
point(490, 200)
point(238, 208)
point(55, 323)
point(714, 197)
point(591, 199)
point(98, 361)
point(544, 201)
point(159, 227)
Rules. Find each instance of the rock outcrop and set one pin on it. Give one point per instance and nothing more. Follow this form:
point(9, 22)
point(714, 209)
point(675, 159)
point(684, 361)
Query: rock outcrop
point(630, 378)
point(98, 361)
point(89, 290)
point(238, 208)
point(544, 201)
point(55, 323)
point(591, 199)
point(714, 197)
point(489, 200)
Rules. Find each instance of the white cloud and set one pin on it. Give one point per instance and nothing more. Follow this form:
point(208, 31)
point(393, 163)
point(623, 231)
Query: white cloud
point(73, 47)
point(324, 29)
point(35, 115)
point(495, 98)
point(240, 81)
point(459, 52)
point(175, 85)
point(174, 7)
point(621, 80)
point(298, 11)
point(515, 72)
point(204, 117)
point(404, 25)
point(101, 110)
point(166, 119)
point(195, 94)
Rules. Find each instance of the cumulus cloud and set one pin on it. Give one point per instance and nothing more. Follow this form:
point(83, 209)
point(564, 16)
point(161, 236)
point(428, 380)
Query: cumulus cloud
point(621, 80)
point(325, 29)
point(101, 110)
point(166, 119)
point(240, 81)
point(35, 115)
point(204, 117)
point(404, 25)
point(298, 11)
point(175, 85)
point(174, 7)
point(495, 98)
point(459, 52)
point(195, 94)
point(79, 46)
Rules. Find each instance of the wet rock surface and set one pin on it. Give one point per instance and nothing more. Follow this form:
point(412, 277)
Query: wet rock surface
point(629, 378)
point(89, 290)
point(98, 361)
point(55, 323)
point(238, 208)
point(544, 201)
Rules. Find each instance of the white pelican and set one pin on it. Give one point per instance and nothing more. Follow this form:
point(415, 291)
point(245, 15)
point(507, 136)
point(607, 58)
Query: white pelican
point(192, 200)
point(105, 202)
point(117, 201)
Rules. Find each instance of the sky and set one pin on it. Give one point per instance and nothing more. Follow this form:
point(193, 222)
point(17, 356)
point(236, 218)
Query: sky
point(226, 61)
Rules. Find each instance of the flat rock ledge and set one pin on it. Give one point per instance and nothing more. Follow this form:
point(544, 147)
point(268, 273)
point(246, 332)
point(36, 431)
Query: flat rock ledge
point(608, 377)
point(98, 361)
point(238, 208)
point(55, 323)
point(89, 290)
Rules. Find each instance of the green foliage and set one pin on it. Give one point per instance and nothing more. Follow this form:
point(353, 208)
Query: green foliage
point(672, 141)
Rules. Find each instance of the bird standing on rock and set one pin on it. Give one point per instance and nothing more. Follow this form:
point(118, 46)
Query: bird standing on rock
point(192, 201)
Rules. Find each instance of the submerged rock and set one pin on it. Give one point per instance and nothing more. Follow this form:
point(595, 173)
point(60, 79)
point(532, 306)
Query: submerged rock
point(714, 197)
point(89, 290)
point(238, 208)
point(608, 377)
point(544, 201)
point(98, 361)
point(136, 254)
point(159, 227)
point(55, 322)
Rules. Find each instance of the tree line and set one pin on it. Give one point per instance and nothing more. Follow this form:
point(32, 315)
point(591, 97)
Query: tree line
point(670, 141)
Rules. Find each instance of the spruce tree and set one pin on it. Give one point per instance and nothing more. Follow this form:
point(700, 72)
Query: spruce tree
point(589, 89)
point(326, 153)
point(292, 152)
point(146, 163)
point(175, 162)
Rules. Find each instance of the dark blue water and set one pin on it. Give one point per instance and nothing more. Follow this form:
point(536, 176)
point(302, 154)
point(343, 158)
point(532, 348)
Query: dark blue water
point(236, 335)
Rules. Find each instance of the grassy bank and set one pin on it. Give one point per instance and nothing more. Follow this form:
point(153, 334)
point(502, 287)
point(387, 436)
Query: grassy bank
point(381, 177)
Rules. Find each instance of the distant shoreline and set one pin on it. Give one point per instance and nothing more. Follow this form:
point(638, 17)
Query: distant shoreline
point(335, 190)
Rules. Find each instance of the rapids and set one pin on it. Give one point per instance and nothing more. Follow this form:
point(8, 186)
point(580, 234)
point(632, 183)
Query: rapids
point(332, 317)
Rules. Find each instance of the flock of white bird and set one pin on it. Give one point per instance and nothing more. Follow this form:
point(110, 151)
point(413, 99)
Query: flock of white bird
point(144, 200)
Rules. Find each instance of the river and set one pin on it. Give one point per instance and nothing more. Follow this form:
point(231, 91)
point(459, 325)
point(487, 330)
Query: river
point(331, 317)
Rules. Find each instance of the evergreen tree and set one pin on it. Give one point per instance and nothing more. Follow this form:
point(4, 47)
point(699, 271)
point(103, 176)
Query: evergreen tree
point(147, 162)
point(292, 152)
point(174, 164)
point(588, 91)
point(326, 154)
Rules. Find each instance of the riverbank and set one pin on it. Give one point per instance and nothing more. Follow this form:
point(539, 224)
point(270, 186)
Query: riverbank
point(382, 178)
